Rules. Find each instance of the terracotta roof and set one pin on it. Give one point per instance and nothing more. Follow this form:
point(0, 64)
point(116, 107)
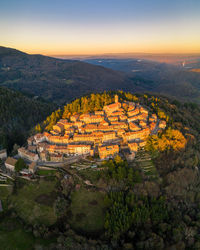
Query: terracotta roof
point(78, 146)
point(59, 125)
point(110, 147)
point(112, 106)
point(46, 134)
point(39, 135)
point(11, 161)
point(25, 151)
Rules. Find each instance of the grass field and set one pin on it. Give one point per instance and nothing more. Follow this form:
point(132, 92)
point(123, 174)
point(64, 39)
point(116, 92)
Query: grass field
point(4, 192)
point(46, 172)
point(87, 210)
point(34, 202)
point(13, 236)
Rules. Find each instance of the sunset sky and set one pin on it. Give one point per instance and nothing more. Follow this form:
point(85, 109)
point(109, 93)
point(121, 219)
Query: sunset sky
point(61, 27)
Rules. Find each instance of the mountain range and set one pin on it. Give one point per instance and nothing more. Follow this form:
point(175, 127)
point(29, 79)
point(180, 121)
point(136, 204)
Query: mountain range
point(61, 80)
point(179, 81)
point(56, 79)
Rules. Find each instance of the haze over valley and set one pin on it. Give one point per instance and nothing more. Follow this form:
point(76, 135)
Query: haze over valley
point(61, 80)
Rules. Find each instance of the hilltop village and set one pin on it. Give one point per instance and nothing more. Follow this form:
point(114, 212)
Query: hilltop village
point(121, 127)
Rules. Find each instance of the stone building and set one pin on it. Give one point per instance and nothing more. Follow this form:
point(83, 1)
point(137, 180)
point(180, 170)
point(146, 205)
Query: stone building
point(108, 151)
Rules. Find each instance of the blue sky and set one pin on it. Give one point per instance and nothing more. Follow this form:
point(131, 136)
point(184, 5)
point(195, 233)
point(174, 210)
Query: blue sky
point(86, 26)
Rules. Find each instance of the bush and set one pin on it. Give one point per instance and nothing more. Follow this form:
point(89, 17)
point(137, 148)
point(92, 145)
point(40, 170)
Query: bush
point(20, 164)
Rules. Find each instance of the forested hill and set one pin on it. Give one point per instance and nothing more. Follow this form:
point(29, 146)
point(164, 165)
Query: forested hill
point(153, 201)
point(18, 114)
point(59, 80)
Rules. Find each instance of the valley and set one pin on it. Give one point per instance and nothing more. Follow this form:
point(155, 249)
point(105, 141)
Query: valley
point(62, 80)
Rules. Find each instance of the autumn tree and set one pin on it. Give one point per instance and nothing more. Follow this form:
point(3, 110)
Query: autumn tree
point(171, 139)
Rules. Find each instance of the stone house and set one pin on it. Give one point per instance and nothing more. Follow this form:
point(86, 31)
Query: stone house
point(24, 153)
point(108, 151)
point(10, 163)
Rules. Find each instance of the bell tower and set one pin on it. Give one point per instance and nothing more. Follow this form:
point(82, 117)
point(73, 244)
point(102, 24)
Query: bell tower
point(116, 99)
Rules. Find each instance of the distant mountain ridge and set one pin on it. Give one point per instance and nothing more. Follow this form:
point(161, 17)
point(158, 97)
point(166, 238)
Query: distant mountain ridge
point(61, 80)
point(175, 81)
point(56, 79)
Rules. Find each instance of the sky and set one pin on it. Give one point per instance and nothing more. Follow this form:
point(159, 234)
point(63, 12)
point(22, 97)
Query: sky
point(63, 27)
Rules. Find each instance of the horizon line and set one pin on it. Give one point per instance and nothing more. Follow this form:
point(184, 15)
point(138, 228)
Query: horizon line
point(172, 53)
point(125, 53)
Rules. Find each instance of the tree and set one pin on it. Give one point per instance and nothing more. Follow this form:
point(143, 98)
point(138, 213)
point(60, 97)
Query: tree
point(118, 160)
point(20, 164)
point(38, 128)
point(15, 148)
point(171, 139)
point(130, 177)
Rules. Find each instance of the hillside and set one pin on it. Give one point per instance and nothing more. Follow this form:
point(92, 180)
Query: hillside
point(62, 80)
point(154, 203)
point(58, 80)
point(18, 114)
point(150, 202)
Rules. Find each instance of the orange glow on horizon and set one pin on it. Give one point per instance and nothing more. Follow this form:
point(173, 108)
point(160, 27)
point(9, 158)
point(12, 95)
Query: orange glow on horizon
point(101, 27)
point(73, 51)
